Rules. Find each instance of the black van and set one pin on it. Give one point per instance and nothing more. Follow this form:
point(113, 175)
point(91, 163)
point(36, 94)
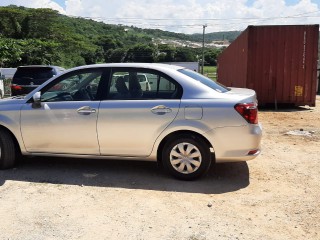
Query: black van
point(27, 78)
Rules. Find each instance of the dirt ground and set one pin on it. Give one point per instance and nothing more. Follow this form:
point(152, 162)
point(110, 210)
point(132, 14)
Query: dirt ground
point(275, 196)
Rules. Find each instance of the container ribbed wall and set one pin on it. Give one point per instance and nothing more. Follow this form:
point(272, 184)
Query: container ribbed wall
point(278, 62)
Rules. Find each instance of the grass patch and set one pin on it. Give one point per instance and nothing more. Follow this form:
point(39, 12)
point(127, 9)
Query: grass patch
point(210, 71)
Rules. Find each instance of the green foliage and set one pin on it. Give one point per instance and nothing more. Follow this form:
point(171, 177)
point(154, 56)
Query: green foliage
point(211, 56)
point(217, 36)
point(169, 53)
point(36, 51)
point(31, 51)
point(209, 37)
point(43, 36)
point(184, 55)
point(10, 52)
point(141, 53)
point(116, 55)
point(166, 53)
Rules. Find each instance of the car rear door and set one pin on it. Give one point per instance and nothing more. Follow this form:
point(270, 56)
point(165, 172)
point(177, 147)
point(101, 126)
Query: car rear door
point(66, 121)
point(129, 126)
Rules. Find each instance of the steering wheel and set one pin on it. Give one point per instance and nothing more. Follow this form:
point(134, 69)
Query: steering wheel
point(82, 94)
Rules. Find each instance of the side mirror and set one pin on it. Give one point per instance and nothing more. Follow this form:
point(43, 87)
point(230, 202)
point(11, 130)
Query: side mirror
point(36, 100)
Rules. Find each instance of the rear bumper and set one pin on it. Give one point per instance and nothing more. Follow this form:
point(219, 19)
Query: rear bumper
point(236, 144)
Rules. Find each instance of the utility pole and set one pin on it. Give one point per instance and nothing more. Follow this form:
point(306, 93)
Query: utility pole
point(202, 64)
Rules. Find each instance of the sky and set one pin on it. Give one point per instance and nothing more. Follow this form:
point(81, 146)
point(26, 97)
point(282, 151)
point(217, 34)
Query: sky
point(186, 16)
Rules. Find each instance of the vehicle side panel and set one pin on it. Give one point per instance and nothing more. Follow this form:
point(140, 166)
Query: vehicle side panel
point(57, 127)
point(129, 128)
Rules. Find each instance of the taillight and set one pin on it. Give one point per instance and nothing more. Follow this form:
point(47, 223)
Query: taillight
point(16, 87)
point(253, 152)
point(248, 111)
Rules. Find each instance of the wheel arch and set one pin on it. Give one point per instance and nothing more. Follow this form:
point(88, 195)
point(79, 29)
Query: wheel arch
point(16, 143)
point(182, 132)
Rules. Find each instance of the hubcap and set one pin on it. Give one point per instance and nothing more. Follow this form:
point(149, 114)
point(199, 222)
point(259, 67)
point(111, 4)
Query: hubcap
point(185, 158)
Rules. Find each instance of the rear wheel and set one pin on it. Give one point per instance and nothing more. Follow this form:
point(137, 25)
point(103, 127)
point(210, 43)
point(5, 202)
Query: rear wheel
point(7, 150)
point(186, 157)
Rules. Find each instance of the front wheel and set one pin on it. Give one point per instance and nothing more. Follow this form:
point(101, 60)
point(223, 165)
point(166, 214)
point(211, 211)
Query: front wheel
point(186, 157)
point(7, 150)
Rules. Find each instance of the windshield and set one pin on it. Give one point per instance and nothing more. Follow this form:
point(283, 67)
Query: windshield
point(204, 80)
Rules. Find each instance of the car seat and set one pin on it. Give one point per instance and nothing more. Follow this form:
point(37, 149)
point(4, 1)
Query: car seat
point(122, 89)
point(134, 86)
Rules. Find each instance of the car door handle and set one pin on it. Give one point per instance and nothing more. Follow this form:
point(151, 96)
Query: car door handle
point(161, 109)
point(86, 110)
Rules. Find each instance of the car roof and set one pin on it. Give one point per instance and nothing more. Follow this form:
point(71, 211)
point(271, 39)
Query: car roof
point(35, 66)
point(41, 66)
point(155, 66)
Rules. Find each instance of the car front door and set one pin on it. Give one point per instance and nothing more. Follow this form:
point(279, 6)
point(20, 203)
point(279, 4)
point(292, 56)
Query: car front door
point(65, 122)
point(131, 118)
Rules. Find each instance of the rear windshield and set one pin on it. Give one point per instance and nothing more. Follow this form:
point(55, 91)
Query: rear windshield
point(204, 80)
point(34, 73)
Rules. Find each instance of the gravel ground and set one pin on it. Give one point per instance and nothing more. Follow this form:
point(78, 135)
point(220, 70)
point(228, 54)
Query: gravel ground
point(275, 196)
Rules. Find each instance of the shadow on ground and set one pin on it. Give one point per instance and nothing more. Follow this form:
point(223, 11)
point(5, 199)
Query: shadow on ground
point(222, 178)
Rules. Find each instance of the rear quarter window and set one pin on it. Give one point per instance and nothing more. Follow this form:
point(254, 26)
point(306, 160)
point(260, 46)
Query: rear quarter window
point(204, 80)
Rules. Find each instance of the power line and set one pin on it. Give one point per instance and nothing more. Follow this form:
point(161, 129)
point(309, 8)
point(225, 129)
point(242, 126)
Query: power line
point(197, 22)
point(191, 23)
point(132, 20)
point(202, 19)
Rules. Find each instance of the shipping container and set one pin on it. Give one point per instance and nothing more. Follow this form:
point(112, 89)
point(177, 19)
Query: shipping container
point(278, 62)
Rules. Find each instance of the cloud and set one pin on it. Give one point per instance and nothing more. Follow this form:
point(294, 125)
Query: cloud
point(34, 4)
point(187, 16)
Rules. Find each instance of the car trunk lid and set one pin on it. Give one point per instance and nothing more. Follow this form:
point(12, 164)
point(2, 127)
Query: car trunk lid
point(245, 95)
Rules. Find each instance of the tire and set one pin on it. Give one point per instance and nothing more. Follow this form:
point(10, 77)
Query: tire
point(7, 150)
point(186, 157)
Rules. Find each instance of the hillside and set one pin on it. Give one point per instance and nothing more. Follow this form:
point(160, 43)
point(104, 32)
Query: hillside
point(209, 37)
point(217, 36)
point(43, 36)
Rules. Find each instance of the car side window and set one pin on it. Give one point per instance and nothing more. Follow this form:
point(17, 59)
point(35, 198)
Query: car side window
point(139, 84)
point(79, 86)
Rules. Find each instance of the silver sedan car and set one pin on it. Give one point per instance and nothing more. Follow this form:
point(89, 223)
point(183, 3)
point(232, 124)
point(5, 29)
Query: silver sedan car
point(185, 121)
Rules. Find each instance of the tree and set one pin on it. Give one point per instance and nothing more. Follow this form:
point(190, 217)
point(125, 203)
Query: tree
point(10, 52)
point(35, 51)
point(40, 23)
point(166, 53)
point(92, 56)
point(211, 56)
point(117, 55)
point(141, 53)
point(184, 55)
point(43, 36)
point(106, 42)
